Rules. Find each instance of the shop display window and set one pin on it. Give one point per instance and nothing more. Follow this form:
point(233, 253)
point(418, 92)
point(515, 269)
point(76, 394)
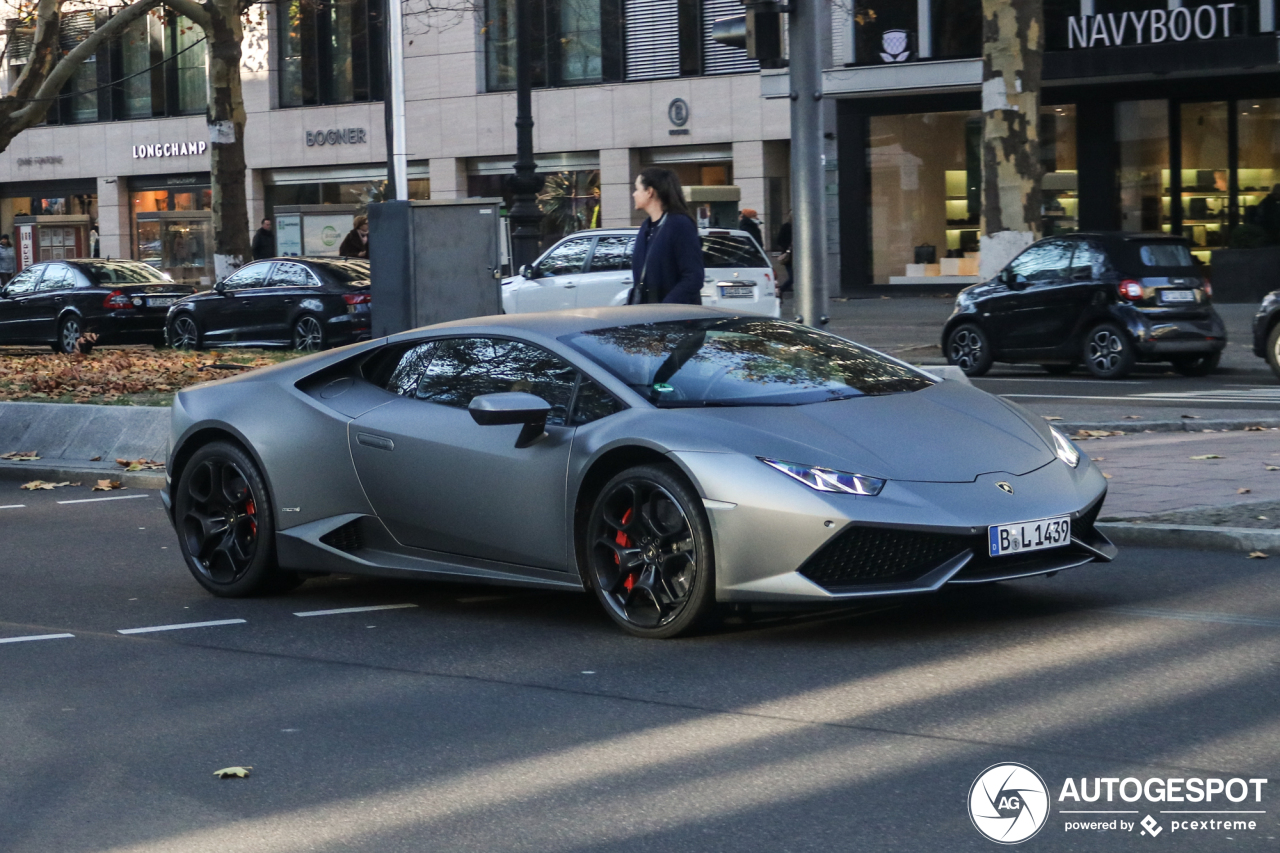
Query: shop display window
point(330, 51)
point(1142, 136)
point(1258, 173)
point(1059, 185)
point(1205, 176)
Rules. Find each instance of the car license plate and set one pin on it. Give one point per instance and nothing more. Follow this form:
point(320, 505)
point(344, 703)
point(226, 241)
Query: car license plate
point(1029, 535)
point(161, 301)
point(737, 291)
point(1177, 296)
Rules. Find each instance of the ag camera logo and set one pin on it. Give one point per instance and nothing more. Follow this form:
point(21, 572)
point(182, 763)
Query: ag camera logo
point(1008, 803)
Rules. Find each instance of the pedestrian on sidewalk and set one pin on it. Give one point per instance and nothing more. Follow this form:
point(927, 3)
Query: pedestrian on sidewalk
point(747, 222)
point(782, 243)
point(356, 243)
point(8, 261)
point(264, 242)
point(666, 264)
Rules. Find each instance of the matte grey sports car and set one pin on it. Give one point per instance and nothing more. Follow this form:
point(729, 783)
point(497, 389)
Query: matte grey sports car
point(667, 457)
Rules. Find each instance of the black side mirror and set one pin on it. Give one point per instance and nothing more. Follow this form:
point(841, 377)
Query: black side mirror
point(220, 288)
point(512, 407)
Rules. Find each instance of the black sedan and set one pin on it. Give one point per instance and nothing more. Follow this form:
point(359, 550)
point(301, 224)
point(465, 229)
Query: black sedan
point(77, 304)
point(305, 303)
point(1266, 331)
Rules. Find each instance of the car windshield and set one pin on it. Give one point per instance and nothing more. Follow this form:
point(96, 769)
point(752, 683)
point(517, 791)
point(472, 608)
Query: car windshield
point(1165, 255)
point(109, 273)
point(350, 272)
point(722, 250)
point(738, 361)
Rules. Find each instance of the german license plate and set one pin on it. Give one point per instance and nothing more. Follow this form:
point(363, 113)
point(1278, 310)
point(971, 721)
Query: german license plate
point(1177, 296)
point(1029, 535)
point(161, 301)
point(737, 291)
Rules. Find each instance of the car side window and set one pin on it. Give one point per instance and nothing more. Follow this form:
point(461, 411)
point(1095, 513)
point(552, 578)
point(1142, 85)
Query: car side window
point(566, 258)
point(464, 368)
point(404, 379)
point(24, 282)
point(1089, 262)
point(612, 254)
point(1043, 263)
point(291, 275)
point(254, 275)
point(592, 403)
point(56, 277)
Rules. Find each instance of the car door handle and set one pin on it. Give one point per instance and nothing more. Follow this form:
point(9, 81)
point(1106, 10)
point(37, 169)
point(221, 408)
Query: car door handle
point(377, 442)
point(288, 302)
point(568, 285)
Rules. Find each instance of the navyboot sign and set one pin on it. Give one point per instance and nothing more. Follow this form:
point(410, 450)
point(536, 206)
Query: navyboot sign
point(1153, 26)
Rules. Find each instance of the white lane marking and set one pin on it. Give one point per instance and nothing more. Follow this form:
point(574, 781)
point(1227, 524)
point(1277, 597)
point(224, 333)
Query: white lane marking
point(1139, 398)
point(95, 500)
point(36, 637)
point(353, 610)
point(1060, 381)
point(1218, 618)
point(155, 628)
point(14, 506)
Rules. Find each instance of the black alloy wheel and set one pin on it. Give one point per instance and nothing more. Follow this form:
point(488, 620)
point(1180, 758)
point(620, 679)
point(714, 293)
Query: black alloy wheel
point(1108, 352)
point(1197, 365)
point(1273, 349)
point(969, 350)
point(225, 526)
point(308, 334)
point(649, 554)
point(70, 337)
point(1059, 369)
point(184, 333)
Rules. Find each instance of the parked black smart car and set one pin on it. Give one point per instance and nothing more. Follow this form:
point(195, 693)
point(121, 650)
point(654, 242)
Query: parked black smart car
point(1107, 300)
point(85, 303)
point(306, 303)
point(1266, 331)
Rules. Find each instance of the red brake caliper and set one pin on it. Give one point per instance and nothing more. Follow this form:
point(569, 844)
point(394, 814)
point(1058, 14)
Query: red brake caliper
point(625, 542)
point(250, 510)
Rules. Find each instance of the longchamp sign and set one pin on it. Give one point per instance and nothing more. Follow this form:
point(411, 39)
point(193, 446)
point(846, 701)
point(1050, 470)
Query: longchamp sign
point(1151, 26)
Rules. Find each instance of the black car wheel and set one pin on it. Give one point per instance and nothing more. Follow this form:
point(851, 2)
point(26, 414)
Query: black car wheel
point(649, 554)
point(1197, 365)
point(308, 334)
point(1273, 350)
point(184, 333)
point(1059, 369)
point(968, 349)
point(225, 526)
point(70, 334)
point(1107, 352)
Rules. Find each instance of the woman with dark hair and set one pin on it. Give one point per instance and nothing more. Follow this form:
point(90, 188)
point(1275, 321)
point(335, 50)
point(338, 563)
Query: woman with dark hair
point(666, 264)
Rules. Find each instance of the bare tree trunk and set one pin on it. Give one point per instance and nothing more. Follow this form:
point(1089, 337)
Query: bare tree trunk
point(231, 247)
point(1012, 57)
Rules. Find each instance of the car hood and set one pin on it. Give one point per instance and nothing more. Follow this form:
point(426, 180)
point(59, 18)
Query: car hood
point(947, 433)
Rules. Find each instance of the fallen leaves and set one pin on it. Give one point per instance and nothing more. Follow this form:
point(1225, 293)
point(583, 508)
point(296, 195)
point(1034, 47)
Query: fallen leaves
point(1190, 417)
point(96, 459)
point(1243, 491)
point(1098, 458)
point(37, 485)
point(1133, 417)
point(232, 772)
point(1255, 429)
point(140, 464)
point(20, 456)
point(1272, 467)
point(107, 485)
point(1105, 474)
point(1096, 433)
point(1207, 456)
point(1258, 555)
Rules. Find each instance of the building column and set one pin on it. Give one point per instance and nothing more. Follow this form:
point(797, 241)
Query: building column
point(618, 170)
point(256, 196)
point(749, 176)
point(448, 177)
point(115, 238)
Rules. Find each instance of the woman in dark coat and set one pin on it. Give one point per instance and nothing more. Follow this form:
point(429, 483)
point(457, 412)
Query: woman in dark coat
point(666, 264)
point(356, 243)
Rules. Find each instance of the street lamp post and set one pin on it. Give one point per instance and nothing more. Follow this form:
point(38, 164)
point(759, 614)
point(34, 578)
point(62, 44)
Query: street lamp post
point(808, 176)
point(526, 218)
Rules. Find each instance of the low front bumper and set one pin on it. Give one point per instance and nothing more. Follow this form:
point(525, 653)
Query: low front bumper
point(1158, 337)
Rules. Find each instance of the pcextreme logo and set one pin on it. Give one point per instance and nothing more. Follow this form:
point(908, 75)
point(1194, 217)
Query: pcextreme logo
point(1010, 803)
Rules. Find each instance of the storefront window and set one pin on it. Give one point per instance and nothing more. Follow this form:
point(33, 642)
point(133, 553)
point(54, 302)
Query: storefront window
point(1142, 134)
point(174, 231)
point(574, 42)
point(1206, 200)
point(1059, 184)
point(1258, 174)
point(330, 51)
point(190, 62)
point(140, 48)
point(925, 185)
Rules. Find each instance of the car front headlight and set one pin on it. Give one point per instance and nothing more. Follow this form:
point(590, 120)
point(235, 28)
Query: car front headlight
point(826, 479)
point(1064, 448)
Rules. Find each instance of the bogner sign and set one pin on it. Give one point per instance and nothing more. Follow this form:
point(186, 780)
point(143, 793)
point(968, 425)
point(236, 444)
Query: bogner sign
point(1152, 26)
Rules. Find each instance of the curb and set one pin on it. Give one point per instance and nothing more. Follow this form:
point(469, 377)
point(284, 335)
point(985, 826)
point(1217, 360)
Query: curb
point(1241, 539)
point(86, 474)
point(1189, 425)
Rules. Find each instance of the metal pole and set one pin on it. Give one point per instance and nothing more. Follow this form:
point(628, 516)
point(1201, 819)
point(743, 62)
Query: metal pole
point(526, 218)
point(808, 200)
point(397, 156)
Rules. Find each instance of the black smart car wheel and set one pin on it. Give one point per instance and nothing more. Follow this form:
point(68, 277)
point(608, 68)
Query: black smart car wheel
point(1108, 352)
point(1197, 365)
point(308, 334)
point(225, 527)
point(968, 349)
point(1273, 350)
point(649, 554)
point(70, 333)
point(184, 333)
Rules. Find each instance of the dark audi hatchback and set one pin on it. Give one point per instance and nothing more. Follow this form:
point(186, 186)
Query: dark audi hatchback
point(1104, 300)
point(305, 303)
point(77, 304)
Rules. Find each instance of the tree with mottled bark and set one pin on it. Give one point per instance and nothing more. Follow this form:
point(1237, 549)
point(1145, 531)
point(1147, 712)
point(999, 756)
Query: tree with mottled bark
point(48, 69)
point(1012, 57)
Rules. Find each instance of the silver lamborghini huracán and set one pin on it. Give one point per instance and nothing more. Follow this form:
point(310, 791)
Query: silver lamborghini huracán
point(667, 458)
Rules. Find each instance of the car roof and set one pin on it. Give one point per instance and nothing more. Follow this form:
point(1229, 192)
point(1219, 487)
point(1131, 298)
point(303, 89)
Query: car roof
point(630, 232)
point(555, 324)
point(1125, 236)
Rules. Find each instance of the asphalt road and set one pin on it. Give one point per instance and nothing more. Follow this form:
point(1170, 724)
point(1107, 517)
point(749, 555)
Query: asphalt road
point(491, 720)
